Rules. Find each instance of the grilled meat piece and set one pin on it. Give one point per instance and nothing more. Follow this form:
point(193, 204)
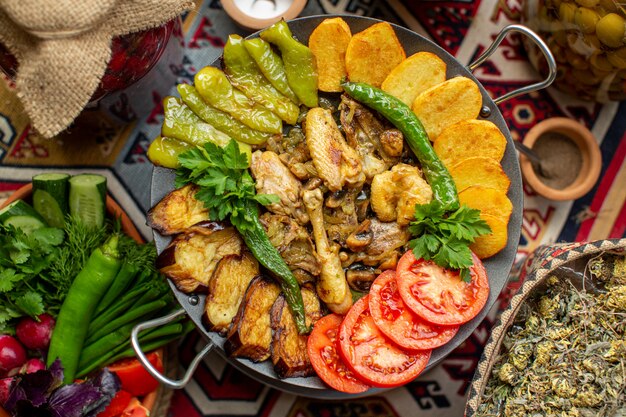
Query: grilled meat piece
point(294, 245)
point(289, 354)
point(383, 249)
point(190, 259)
point(177, 211)
point(332, 287)
point(340, 216)
point(335, 161)
point(250, 334)
point(396, 192)
point(273, 177)
point(226, 289)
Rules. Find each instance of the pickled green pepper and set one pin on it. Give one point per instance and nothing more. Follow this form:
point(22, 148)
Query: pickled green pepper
point(164, 151)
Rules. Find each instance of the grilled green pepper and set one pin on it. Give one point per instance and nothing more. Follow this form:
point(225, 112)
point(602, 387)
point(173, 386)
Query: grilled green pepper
point(271, 65)
point(299, 62)
point(401, 116)
point(246, 76)
point(222, 121)
point(164, 151)
point(183, 124)
point(216, 90)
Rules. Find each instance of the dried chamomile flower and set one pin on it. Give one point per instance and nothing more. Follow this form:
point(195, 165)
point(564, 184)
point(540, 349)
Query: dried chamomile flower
point(520, 354)
point(543, 351)
point(587, 397)
point(562, 387)
point(548, 307)
point(508, 374)
point(619, 270)
point(616, 298)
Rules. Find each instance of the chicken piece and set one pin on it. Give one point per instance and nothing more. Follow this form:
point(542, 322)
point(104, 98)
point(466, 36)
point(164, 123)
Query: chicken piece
point(396, 192)
point(335, 161)
point(294, 245)
point(273, 177)
point(332, 287)
point(340, 216)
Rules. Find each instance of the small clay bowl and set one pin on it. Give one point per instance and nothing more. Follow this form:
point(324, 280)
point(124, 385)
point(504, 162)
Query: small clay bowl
point(247, 19)
point(589, 149)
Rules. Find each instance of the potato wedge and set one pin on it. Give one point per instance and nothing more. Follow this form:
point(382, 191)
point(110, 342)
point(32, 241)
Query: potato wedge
point(481, 171)
point(373, 53)
point(470, 138)
point(289, 354)
point(177, 211)
point(329, 42)
point(488, 201)
point(227, 287)
point(250, 335)
point(447, 103)
point(414, 75)
point(488, 245)
point(190, 259)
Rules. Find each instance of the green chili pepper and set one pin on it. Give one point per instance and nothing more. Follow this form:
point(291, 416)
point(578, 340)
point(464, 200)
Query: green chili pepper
point(83, 297)
point(183, 124)
point(216, 90)
point(221, 120)
point(271, 65)
point(164, 151)
point(246, 75)
point(299, 62)
point(401, 116)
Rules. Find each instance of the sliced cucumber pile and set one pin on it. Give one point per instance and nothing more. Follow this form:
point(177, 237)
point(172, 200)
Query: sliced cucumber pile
point(50, 194)
point(87, 198)
point(21, 215)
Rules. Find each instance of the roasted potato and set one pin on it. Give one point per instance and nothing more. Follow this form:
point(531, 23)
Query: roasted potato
point(414, 75)
point(226, 289)
point(445, 104)
point(488, 201)
point(492, 243)
point(288, 348)
point(190, 259)
point(177, 211)
point(373, 53)
point(329, 42)
point(481, 171)
point(470, 138)
point(250, 334)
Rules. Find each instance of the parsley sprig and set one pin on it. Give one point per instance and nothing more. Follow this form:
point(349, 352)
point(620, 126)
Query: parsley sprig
point(445, 237)
point(226, 186)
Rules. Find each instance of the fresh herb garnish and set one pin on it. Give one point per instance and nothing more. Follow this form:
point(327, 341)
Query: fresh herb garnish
point(445, 237)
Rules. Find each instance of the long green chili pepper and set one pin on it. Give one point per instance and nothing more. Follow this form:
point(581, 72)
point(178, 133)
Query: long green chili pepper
point(84, 294)
point(122, 280)
point(401, 116)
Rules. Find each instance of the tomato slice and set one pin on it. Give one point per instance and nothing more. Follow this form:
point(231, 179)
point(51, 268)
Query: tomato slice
point(399, 323)
point(322, 350)
point(117, 404)
point(134, 378)
point(374, 357)
point(439, 295)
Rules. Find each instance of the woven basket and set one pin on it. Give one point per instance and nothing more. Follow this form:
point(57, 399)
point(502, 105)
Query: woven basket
point(559, 260)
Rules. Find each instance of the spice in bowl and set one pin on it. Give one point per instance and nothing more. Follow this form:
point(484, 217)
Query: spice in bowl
point(561, 160)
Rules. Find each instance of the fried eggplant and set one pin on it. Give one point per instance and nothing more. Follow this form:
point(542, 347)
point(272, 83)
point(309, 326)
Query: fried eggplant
point(177, 211)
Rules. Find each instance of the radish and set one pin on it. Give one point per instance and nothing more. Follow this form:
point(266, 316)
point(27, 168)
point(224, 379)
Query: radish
point(35, 334)
point(5, 389)
point(12, 353)
point(32, 365)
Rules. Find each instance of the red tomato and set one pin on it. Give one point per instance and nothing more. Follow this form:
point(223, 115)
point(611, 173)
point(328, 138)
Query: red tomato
point(322, 349)
point(439, 295)
point(135, 409)
point(117, 404)
point(134, 378)
point(398, 322)
point(371, 355)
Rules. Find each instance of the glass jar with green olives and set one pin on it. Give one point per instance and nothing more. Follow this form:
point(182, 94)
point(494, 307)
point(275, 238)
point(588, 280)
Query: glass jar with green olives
point(588, 40)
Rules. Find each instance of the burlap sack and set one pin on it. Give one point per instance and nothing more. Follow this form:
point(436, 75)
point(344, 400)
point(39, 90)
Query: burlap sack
point(63, 47)
point(543, 263)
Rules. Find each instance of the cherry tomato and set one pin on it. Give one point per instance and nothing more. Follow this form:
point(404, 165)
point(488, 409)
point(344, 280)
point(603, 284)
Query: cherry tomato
point(439, 295)
point(322, 349)
point(371, 355)
point(117, 405)
point(134, 378)
point(398, 322)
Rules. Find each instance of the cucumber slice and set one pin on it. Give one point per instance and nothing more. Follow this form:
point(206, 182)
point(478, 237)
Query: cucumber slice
point(50, 194)
point(88, 198)
point(21, 215)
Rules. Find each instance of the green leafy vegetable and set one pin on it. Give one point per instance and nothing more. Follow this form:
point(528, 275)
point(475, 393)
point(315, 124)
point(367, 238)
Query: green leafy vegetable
point(445, 238)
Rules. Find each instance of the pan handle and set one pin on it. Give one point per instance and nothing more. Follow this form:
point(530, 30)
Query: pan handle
point(542, 47)
point(171, 383)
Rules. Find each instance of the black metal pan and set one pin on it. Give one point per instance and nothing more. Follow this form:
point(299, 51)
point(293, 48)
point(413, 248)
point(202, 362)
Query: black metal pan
point(497, 267)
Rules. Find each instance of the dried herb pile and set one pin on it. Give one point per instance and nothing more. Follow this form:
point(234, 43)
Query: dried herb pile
point(566, 356)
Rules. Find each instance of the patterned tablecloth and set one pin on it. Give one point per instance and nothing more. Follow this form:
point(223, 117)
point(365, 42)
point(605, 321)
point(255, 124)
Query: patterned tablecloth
point(463, 27)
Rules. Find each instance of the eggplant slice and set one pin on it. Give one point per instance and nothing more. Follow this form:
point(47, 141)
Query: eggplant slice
point(177, 211)
point(250, 335)
point(289, 354)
